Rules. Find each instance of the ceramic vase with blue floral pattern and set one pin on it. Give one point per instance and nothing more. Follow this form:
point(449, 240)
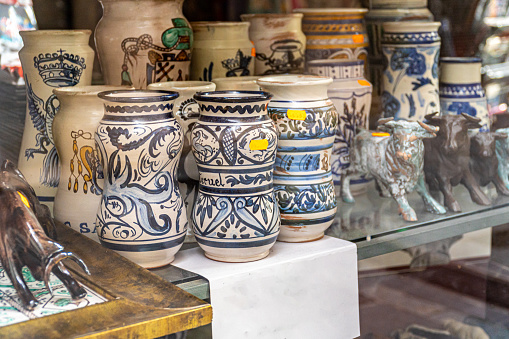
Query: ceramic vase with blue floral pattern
point(410, 79)
point(306, 120)
point(142, 214)
point(351, 94)
point(235, 216)
point(461, 90)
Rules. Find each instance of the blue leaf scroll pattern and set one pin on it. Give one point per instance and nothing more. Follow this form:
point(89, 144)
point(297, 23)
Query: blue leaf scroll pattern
point(414, 62)
point(306, 198)
point(462, 107)
point(391, 105)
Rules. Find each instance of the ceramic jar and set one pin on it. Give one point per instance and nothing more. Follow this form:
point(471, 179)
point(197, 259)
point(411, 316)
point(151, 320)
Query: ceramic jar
point(142, 214)
point(143, 41)
point(335, 33)
point(461, 90)
point(237, 83)
point(307, 121)
point(279, 42)
point(411, 51)
point(385, 11)
point(222, 49)
point(81, 177)
point(235, 217)
point(351, 94)
point(187, 113)
point(50, 59)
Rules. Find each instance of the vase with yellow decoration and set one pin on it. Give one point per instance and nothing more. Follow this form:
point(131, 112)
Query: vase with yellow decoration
point(80, 186)
point(235, 215)
point(306, 120)
point(351, 94)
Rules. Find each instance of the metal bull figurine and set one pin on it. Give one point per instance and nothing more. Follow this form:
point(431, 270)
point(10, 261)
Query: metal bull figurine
point(395, 160)
point(24, 228)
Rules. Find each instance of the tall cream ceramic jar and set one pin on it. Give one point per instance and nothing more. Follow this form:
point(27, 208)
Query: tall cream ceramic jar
point(279, 41)
point(50, 59)
point(222, 49)
point(143, 41)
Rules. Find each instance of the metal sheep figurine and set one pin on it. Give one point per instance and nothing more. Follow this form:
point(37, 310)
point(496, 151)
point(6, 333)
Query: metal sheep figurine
point(24, 228)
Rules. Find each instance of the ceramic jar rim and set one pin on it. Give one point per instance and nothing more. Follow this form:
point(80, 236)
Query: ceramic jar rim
point(138, 96)
point(92, 90)
point(460, 60)
point(410, 26)
point(219, 23)
point(270, 15)
point(54, 32)
point(180, 85)
point(394, 4)
point(233, 96)
point(294, 80)
point(238, 79)
point(336, 62)
point(331, 10)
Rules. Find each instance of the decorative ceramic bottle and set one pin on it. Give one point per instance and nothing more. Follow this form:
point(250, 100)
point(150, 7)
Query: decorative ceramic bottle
point(279, 42)
point(351, 94)
point(143, 41)
point(237, 83)
point(50, 59)
point(461, 90)
point(142, 214)
point(81, 178)
point(306, 120)
point(410, 77)
point(235, 217)
point(335, 33)
point(222, 49)
point(187, 113)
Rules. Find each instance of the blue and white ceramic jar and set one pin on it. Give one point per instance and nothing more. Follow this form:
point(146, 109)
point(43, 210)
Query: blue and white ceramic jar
point(306, 120)
point(235, 216)
point(410, 79)
point(461, 90)
point(351, 94)
point(142, 214)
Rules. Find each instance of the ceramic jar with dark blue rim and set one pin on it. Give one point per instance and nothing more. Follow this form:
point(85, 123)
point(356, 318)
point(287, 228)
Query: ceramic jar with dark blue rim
point(307, 121)
point(235, 216)
point(461, 90)
point(142, 214)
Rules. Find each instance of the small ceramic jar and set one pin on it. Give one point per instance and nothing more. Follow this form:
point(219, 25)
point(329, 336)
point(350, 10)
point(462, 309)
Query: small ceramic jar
point(351, 94)
point(235, 216)
point(307, 121)
point(237, 83)
point(187, 113)
point(142, 214)
point(410, 78)
point(461, 90)
point(279, 42)
point(222, 49)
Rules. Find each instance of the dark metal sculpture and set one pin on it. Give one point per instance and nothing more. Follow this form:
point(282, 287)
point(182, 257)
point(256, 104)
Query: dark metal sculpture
point(484, 162)
point(24, 228)
point(395, 160)
point(447, 158)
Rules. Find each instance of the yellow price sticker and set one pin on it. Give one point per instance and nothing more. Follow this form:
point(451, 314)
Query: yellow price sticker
point(296, 114)
point(259, 145)
point(380, 134)
point(358, 38)
point(363, 83)
point(24, 199)
point(253, 50)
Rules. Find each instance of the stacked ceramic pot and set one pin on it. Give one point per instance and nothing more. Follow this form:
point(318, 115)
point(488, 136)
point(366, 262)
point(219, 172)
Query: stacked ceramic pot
point(235, 216)
point(81, 177)
point(387, 11)
point(143, 41)
point(306, 120)
point(50, 59)
point(279, 42)
point(222, 49)
point(142, 214)
point(351, 94)
point(461, 90)
point(410, 79)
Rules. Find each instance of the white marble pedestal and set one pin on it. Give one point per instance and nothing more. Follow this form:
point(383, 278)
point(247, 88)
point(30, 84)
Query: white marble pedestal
point(301, 290)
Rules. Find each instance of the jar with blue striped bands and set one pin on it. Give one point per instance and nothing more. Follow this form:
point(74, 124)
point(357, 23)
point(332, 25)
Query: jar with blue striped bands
point(142, 214)
point(306, 120)
point(235, 216)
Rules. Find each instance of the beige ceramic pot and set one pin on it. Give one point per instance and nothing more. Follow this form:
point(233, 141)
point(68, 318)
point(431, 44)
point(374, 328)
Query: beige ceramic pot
point(143, 41)
point(81, 179)
point(222, 49)
point(50, 59)
point(279, 42)
point(237, 84)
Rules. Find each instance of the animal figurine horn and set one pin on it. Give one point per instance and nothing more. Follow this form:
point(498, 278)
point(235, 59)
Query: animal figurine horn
point(395, 161)
point(24, 241)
